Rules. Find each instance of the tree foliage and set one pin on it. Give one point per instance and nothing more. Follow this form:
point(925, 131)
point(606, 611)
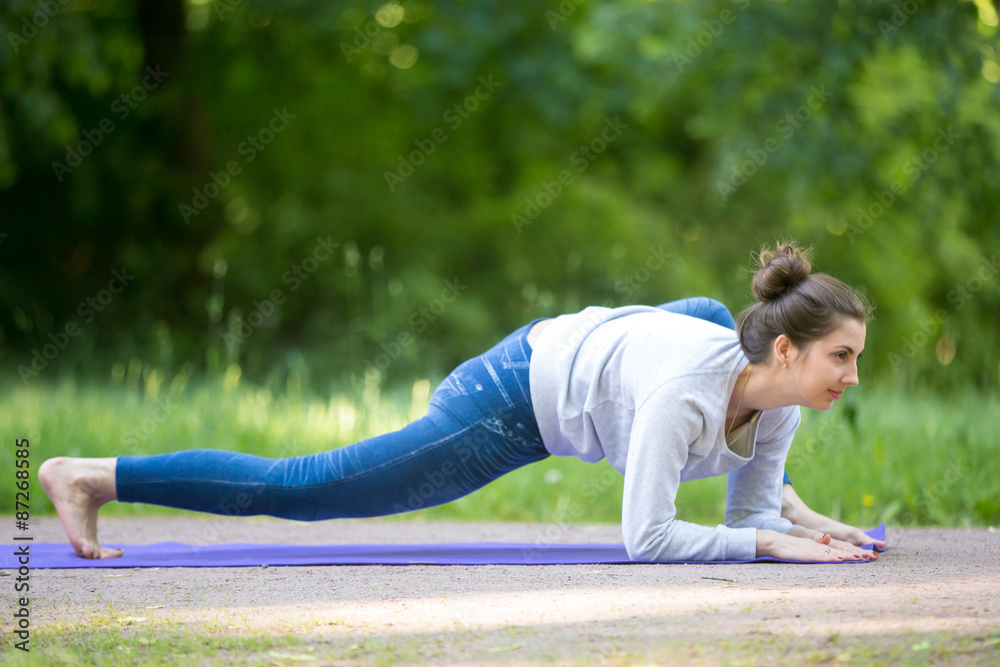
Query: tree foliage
point(470, 166)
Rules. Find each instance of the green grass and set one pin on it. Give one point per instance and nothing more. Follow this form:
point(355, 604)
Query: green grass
point(138, 641)
point(878, 455)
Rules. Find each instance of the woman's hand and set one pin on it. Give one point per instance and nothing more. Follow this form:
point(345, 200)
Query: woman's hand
point(795, 510)
point(793, 547)
point(845, 533)
point(828, 540)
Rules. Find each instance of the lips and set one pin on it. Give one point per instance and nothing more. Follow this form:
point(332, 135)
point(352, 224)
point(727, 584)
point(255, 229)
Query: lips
point(834, 394)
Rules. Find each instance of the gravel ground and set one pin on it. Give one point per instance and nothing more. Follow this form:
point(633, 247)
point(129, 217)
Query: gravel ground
point(935, 588)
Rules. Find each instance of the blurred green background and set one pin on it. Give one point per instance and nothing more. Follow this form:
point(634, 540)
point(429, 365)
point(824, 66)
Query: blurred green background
point(293, 219)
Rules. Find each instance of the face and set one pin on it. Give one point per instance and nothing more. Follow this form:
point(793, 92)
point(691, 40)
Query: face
point(821, 372)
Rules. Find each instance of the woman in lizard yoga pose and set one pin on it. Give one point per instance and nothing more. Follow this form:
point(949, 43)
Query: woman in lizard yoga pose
point(664, 396)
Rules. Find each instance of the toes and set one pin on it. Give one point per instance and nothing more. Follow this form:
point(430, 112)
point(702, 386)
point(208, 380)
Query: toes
point(90, 552)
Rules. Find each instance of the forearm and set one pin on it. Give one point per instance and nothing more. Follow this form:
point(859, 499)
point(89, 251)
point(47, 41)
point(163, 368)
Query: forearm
point(682, 541)
point(795, 510)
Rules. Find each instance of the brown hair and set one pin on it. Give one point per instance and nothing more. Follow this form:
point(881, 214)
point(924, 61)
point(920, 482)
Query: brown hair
point(792, 300)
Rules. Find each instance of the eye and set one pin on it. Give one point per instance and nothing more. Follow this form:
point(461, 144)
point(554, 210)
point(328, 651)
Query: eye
point(842, 356)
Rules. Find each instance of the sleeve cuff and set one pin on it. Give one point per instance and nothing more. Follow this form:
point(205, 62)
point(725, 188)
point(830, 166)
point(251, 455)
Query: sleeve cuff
point(742, 544)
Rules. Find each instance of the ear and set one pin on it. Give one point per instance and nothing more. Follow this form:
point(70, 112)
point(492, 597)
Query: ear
point(782, 349)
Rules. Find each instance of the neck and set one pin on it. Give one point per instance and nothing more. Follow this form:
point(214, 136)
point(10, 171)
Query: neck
point(767, 388)
point(739, 411)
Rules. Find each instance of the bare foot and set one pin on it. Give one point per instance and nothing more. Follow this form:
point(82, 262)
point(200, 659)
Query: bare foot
point(78, 488)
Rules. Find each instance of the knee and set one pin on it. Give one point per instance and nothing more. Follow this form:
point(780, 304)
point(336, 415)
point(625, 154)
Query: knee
point(715, 311)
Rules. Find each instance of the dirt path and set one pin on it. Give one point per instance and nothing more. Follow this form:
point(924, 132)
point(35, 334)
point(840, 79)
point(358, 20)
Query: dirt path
point(935, 595)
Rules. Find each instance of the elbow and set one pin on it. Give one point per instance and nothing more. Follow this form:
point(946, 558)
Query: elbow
point(638, 553)
point(744, 516)
point(648, 543)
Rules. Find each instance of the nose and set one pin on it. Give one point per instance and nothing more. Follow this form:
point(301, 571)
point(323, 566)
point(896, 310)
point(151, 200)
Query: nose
point(852, 376)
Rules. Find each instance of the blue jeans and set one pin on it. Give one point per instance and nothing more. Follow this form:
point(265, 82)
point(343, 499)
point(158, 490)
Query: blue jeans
point(479, 426)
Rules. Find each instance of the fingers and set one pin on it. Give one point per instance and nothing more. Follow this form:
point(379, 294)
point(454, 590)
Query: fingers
point(853, 548)
point(824, 549)
point(831, 555)
point(858, 538)
point(847, 550)
point(810, 534)
point(855, 553)
point(820, 549)
point(840, 544)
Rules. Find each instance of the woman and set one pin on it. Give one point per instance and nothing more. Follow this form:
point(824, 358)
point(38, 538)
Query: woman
point(793, 508)
point(663, 397)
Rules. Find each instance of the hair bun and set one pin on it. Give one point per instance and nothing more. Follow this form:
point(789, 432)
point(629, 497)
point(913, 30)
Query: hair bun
point(781, 270)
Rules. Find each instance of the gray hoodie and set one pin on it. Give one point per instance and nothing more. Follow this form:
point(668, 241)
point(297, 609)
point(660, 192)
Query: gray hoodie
point(648, 390)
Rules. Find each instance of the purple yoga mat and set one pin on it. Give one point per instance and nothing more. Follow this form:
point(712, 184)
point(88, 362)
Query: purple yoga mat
point(175, 554)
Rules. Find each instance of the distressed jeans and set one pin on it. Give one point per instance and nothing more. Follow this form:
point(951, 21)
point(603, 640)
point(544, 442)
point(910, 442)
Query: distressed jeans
point(479, 426)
